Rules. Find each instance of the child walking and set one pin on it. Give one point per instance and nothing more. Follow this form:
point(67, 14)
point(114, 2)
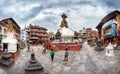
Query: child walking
point(66, 55)
point(52, 53)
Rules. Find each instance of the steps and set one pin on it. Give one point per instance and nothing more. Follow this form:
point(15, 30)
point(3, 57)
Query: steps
point(70, 46)
point(63, 46)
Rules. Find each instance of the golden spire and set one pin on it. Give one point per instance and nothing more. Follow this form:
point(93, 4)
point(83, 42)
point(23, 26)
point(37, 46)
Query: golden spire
point(10, 28)
point(64, 22)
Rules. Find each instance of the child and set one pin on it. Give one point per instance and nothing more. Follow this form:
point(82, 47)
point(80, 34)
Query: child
point(66, 55)
point(52, 53)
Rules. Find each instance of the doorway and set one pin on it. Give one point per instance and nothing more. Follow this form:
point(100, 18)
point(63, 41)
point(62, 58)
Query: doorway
point(5, 46)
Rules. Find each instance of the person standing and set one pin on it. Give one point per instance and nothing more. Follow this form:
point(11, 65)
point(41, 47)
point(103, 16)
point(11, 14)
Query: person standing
point(44, 51)
point(52, 53)
point(66, 55)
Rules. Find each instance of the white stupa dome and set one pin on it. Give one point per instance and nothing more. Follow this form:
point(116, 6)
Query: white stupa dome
point(66, 32)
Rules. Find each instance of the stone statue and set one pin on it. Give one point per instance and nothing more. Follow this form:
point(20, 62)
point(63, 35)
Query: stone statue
point(64, 22)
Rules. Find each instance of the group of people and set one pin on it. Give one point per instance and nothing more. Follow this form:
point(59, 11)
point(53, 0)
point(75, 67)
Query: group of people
point(52, 54)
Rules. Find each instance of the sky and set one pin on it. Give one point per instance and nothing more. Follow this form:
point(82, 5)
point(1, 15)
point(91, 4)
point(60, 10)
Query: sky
point(47, 13)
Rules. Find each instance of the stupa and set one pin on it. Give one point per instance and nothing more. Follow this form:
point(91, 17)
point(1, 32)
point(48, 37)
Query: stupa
point(33, 66)
point(67, 34)
point(65, 38)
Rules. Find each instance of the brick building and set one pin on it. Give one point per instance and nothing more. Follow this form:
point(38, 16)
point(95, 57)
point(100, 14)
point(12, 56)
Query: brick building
point(108, 28)
point(37, 35)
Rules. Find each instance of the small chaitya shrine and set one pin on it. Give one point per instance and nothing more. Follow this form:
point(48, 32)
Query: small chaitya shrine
point(10, 43)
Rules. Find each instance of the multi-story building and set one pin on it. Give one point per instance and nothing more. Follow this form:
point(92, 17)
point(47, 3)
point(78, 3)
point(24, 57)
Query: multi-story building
point(108, 28)
point(3, 31)
point(37, 34)
point(11, 21)
point(88, 34)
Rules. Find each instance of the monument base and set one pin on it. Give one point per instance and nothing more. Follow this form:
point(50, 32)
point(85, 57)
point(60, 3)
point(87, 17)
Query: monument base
point(6, 62)
point(37, 72)
point(13, 55)
point(5, 59)
point(33, 67)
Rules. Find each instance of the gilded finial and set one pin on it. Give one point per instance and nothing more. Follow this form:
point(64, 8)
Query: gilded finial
point(64, 22)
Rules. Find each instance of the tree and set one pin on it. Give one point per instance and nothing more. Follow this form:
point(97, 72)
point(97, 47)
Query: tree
point(76, 35)
point(58, 35)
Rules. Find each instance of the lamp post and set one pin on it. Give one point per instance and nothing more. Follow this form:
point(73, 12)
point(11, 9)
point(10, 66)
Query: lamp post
point(28, 39)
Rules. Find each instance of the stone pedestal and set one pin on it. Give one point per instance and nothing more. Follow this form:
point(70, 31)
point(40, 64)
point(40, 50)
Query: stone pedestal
point(33, 66)
point(5, 59)
point(98, 48)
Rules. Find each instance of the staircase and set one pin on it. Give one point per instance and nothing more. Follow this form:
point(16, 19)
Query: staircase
point(70, 46)
point(63, 46)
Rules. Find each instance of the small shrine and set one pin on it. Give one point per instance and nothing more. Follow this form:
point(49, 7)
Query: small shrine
point(10, 43)
point(33, 66)
point(110, 50)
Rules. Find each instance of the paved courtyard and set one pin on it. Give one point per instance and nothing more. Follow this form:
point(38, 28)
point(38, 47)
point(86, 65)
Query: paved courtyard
point(85, 61)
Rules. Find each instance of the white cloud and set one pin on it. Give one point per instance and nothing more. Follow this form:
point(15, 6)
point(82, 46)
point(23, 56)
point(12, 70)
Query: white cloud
point(79, 16)
point(81, 13)
point(85, 16)
point(27, 7)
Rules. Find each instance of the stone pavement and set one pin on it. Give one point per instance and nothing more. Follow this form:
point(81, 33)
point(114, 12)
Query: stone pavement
point(85, 61)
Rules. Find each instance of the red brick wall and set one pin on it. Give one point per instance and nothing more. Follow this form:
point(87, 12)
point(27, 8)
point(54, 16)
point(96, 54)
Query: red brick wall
point(62, 46)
